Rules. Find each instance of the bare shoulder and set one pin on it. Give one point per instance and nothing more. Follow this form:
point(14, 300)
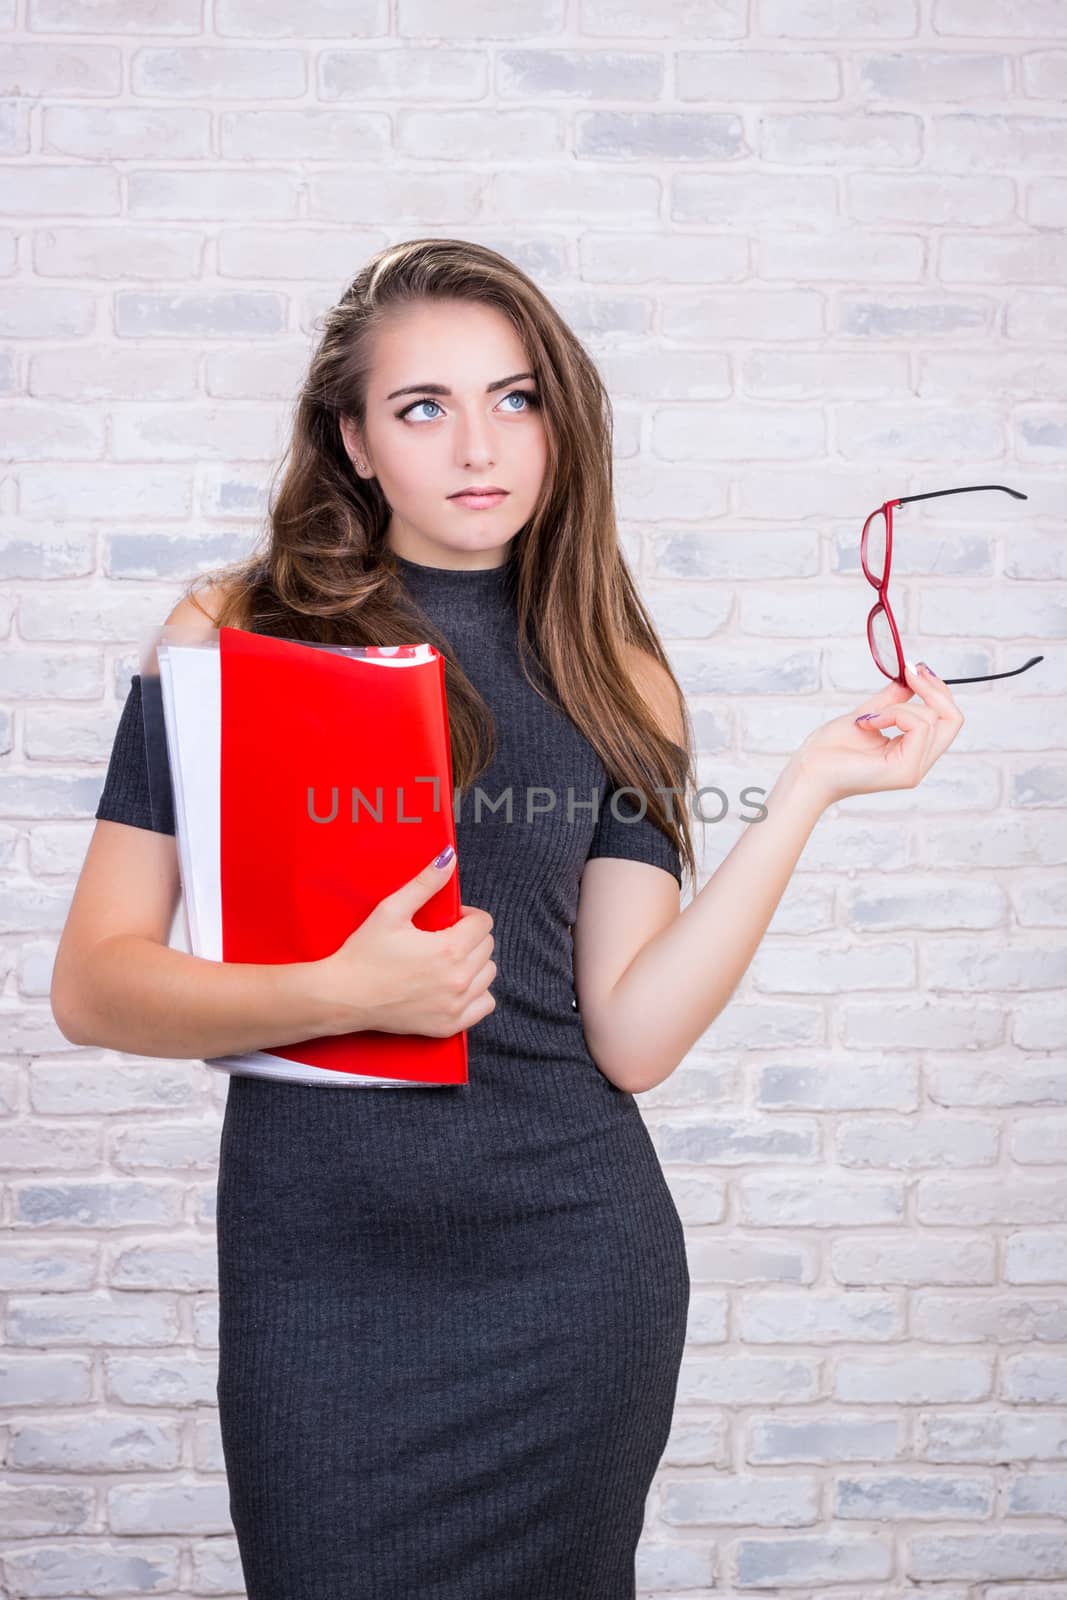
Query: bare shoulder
point(657, 688)
point(201, 608)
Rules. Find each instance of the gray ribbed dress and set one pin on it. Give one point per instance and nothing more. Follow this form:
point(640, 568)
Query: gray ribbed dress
point(451, 1320)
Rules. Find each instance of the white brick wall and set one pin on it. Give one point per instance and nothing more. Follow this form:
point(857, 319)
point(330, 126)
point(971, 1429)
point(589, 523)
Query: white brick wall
point(819, 250)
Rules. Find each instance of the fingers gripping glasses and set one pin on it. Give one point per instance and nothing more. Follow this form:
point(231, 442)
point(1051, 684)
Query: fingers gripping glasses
point(876, 555)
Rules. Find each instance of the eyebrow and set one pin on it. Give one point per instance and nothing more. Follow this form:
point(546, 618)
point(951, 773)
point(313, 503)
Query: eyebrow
point(439, 388)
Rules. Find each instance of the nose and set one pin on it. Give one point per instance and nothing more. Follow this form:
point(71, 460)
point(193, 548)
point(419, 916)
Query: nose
point(473, 436)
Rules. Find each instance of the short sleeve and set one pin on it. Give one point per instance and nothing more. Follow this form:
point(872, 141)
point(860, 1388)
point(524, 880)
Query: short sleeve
point(127, 792)
point(632, 836)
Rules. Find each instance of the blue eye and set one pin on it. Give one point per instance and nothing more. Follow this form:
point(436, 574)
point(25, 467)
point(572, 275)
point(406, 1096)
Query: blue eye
point(532, 402)
point(415, 403)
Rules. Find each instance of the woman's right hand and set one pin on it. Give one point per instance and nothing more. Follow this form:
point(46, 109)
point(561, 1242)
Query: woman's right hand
point(395, 978)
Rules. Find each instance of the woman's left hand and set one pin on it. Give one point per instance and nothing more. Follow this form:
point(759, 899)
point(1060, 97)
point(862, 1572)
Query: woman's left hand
point(850, 755)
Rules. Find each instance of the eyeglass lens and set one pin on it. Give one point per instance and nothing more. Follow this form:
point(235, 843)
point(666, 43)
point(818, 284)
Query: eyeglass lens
point(875, 547)
point(882, 642)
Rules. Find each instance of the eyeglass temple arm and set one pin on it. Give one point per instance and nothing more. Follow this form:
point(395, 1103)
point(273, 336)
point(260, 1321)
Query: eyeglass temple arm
point(987, 677)
point(935, 494)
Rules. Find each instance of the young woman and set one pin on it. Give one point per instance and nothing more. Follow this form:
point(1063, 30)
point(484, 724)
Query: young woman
point(451, 1319)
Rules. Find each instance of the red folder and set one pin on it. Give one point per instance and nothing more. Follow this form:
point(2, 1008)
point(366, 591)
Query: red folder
point(310, 732)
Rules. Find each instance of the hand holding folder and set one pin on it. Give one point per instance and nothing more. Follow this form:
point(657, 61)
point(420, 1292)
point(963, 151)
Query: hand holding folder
point(308, 782)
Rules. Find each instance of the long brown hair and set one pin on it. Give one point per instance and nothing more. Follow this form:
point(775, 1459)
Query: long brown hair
point(325, 573)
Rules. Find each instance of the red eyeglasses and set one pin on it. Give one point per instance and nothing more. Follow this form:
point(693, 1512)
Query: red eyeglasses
point(876, 554)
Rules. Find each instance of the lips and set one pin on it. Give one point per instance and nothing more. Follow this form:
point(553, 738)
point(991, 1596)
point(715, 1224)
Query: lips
point(478, 502)
point(479, 491)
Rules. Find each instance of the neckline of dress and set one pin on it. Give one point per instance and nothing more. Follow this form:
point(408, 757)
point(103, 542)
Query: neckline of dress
point(453, 577)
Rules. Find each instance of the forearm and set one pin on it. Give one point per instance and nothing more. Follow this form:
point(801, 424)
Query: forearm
point(678, 983)
point(144, 998)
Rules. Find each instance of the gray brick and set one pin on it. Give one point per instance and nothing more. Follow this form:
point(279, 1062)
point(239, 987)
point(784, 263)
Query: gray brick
point(992, 1436)
point(320, 19)
point(180, 1379)
point(29, 1146)
point(772, 1502)
point(926, 1496)
point(987, 1555)
point(988, 1319)
point(43, 1380)
point(1037, 1377)
point(913, 1260)
point(732, 1140)
point(659, 135)
point(747, 669)
point(126, 132)
point(96, 1444)
point(216, 1567)
point(411, 73)
point(861, 1082)
point(126, 1319)
point(38, 1510)
point(1037, 1494)
point(223, 72)
point(117, 1569)
point(99, 1204)
point(183, 1508)
point(667, 1568)
point(114, 17)
point(1038, 1257)
point(812, 1317)
point(766, 1199)
point(239, 314)
point(826, 1440)
point(686, 19)
point(722, 1260)
point(912, 1144)
point(54, 190)
point(579, 74)
point(34, 1264)
point(176, 1264)
point(450, 19)
point(925, 902)
point(911, 1378)
point(748, 1380)
point(985, 1201)
point(805, 1559)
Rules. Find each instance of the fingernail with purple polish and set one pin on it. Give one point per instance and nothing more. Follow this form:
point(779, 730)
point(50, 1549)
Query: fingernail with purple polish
point(867, 716)
point(930, 673)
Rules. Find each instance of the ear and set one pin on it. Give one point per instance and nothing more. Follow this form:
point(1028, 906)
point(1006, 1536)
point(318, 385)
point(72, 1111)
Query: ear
point(351, 440)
